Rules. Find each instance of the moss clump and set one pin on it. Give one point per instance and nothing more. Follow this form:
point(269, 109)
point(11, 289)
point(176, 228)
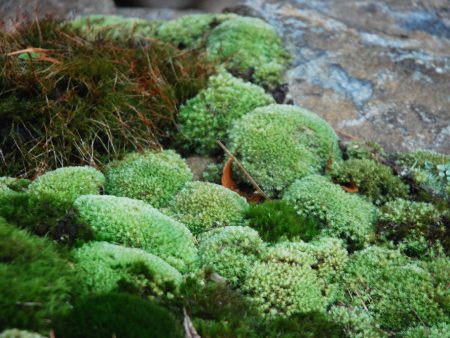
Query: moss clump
point(202, 206)
point(413, 225)
point(87, 102)
point(441, 330)
point(119, 315)
point(283, 284)
point(15, 333)
point(136, 224)
point(14, 184)
point(154, 177)
point(342, 214)
point(278, 220)
point(249, 46)
point(35, 281)
point(208, 116)
point(230, 251)
point(356, 322)
point(190, 30)
point(364, 150)
point(372, 179)
point(279, 143)
point(103, 267)
point(396, 291)
point(112, 27)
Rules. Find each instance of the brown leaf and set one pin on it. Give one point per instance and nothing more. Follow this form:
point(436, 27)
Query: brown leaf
point(227, 179)
point(352, 188)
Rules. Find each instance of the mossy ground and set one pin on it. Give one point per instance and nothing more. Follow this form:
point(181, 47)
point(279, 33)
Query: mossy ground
point(119, 241)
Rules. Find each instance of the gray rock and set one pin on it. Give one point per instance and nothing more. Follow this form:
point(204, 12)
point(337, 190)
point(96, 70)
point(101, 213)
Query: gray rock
point(375, 69)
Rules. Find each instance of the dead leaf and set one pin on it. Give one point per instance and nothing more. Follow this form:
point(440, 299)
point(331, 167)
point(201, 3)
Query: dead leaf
point(227, 179)
point(351, 188)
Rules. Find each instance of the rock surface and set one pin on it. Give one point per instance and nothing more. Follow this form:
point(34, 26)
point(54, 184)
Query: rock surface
point(375, 69)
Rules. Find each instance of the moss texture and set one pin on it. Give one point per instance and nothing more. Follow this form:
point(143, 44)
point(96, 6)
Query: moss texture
point(154, 177)
point(279, 143)
point(208, 116)
point(342, 214)
point(136, 224)
point(103, 267)
point(202, 206)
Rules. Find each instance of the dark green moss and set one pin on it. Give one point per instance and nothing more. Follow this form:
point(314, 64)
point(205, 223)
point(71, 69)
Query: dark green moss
point(117, 315)
point(278, 220)
point(372, 179)
point(364, 150)
point(35, 281)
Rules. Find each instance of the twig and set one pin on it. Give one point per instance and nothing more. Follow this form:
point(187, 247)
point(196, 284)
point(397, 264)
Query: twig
point(188, 326)
point(244, 171)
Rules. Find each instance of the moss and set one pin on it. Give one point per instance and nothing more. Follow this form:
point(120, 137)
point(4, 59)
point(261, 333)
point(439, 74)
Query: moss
point(120, 315)
point(35, 280)
point(374, 180)
point(15, 333)
point(396, 291)
point(112, 27)
point(15, 184)
point(245, 45)
point(202, 206)
point(104, 267)
point(277, 221)
point(230, 251)
point(441, 330)
point(355, 322)
point(190, 30)
point(89, 102)
point(136, 224)
point(413, 225)
point(208, 116)
point(342, 214)
point(364, 150)
point(283, 284)
point(154, 177)
point(279, 143)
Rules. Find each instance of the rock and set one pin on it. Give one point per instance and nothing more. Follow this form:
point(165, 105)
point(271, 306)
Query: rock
point(198, 165)
point(375, 69)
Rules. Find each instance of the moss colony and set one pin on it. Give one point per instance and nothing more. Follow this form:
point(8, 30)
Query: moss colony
point(106, 231)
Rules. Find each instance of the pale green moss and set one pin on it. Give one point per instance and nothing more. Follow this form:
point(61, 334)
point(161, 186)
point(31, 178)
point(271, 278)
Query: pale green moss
point(103, 267)
point(344, 215)
point(246, 44)
point(356, 322)
point(208, 116)
point(62, 186)
point(136, 224)
point(441, 330)
point(230, 251)
point(15, 333)
point(154, 177)
point(284, 284)
point(189, 30)
point(279, 143)
point(113, 27)
point(202, 206)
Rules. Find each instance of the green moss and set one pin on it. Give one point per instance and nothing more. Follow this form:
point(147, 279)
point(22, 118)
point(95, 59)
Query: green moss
point(134, 223)
point(112, 27)
point(413, 225)
point(15, 184)
point(374, 180)
point(279, 143)
point(441, 330)
point(230, 251)
point(154, 177)
point(105, 267)
point(202, 206)
point(119, 315)
point(364, 150)
point(15, 333)
point(342, 214)
point(396, 291)
point(208, 116)
point(277, 221)
point(35, 281)
point(190, 30)
point(246, 45)
point(284, 284)
point(355, 322)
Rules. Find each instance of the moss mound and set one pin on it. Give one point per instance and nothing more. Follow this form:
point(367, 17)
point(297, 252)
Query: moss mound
point(134, 223)
point(103, 267)
point(279, 143)
point(202, 206)
point(119, 315)
point(70, 101)
point(35, 281)
point(208, 116)
point(154, 177)
point(342, 214)
point(249, 46)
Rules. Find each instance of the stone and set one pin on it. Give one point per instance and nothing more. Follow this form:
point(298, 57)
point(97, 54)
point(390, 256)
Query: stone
point(375, 69)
